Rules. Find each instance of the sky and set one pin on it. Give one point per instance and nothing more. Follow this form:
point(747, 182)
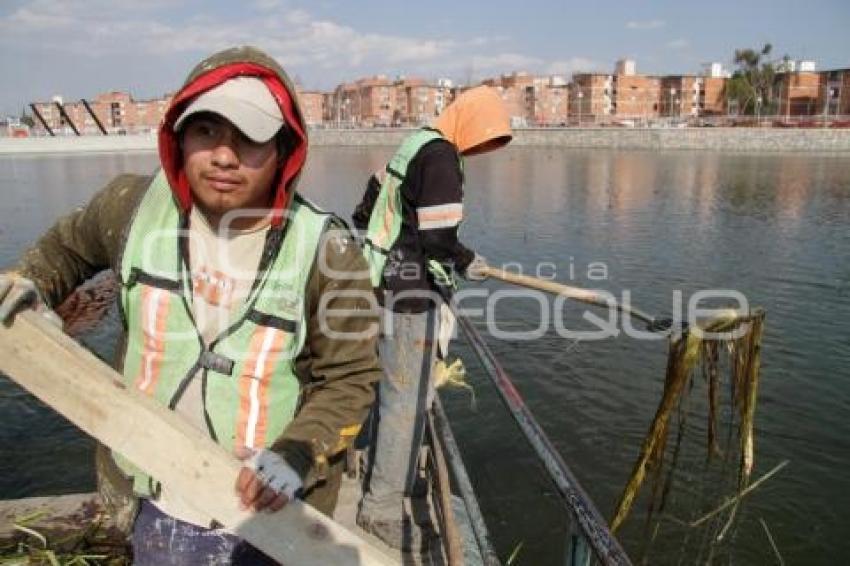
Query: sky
point(79, 48)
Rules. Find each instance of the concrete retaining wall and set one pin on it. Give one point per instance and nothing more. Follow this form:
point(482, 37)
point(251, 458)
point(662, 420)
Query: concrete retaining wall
point(719, 139)
point(713, 139)
point(82, 144)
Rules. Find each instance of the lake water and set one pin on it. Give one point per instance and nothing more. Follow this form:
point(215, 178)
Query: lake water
point(774, 227)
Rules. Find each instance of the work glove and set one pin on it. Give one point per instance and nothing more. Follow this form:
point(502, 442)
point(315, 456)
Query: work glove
point(18, 293)
point(266, 481)
point(473, 271)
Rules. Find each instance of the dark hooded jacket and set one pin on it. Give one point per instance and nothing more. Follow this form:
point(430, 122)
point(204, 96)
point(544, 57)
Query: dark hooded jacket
point(337, 376)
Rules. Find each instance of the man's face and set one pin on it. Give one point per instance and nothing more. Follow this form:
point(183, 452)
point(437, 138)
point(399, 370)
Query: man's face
point(226, 170)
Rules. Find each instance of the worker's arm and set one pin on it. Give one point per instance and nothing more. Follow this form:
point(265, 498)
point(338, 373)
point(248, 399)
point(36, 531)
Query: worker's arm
point(84, 242)
point(437, 194)
point(339, 364)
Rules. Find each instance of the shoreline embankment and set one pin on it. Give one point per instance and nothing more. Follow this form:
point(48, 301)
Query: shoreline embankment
point(702, 139)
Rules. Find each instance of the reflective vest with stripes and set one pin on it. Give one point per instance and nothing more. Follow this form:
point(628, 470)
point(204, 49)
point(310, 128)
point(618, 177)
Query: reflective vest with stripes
point(386, 218)
point(248, 382)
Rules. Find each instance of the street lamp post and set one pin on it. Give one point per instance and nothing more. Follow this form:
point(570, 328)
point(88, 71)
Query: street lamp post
point(338, 118)
point(672, 94)
point(758, 111)
point(580, 96)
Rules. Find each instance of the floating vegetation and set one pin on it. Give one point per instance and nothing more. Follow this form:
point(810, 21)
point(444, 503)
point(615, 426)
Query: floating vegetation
point(723, 352)
point(453, 375)
point(87, 545)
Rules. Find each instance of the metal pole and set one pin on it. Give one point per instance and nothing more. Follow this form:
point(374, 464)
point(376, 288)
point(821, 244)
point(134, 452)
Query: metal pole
point(42, 120)
point(67, 118)
point(594, 527)
point(464, 486)
point(93, 115)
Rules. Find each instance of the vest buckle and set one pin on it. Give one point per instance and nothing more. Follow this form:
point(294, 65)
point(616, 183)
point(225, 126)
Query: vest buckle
point(216, 362)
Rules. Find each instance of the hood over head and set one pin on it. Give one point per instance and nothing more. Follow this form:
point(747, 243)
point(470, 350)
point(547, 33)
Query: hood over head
point(475, 117)
point(207, 75)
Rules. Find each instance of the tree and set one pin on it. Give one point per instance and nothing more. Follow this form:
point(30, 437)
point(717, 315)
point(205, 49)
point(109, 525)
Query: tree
point(753, 79)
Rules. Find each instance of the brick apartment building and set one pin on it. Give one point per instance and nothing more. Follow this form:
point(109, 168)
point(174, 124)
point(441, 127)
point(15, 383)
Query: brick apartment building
point(634, 95)
point(591, 97)
point(625, 94)
point(692, 95)
point(799, 89)
point(835, 94)
point(381, 102)
point(312, 106)
point(549, 101)
point(533, 100)
point(116, 111)
point(803, 91)
point(513, 88)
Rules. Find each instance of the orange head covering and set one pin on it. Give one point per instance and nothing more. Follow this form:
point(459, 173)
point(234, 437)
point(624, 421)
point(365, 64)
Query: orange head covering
point(476, 117)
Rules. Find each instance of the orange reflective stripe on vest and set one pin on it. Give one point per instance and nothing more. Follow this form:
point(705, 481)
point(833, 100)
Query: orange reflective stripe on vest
point(155, 305)
point(267, 345)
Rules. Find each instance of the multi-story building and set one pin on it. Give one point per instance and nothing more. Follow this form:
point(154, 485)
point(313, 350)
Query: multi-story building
point(328, 108)
point(804, 91)
point(591, 97)
point(415, 102)
point(117, 112)
point(312, 105)
point(834, 99)
point(634, 95)
point(800, 89)
point(691, 95)
point(444, 95)
point(376, 101)
point(418, 102)
point(345, 110)
point(516, 90)
point(713, 100)
point(549, 101)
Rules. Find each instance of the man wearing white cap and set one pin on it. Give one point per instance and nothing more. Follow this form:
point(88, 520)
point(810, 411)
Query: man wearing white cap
point(218, 260)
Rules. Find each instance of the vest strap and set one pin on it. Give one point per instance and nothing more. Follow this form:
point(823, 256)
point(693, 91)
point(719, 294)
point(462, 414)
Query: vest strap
point(139, 276)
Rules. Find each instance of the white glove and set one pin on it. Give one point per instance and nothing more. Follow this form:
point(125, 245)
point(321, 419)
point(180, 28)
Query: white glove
point(473, 271)
point(273, 471)
point(18, 293)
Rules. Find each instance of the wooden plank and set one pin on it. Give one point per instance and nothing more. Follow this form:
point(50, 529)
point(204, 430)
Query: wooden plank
point(91, 395)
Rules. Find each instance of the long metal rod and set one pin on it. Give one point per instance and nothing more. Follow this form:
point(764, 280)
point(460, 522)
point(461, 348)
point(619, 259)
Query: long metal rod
point(67, 118)
point(440, 479)
point(594, 527)
point(42, 120)
point(464, 486)
point(94, 116)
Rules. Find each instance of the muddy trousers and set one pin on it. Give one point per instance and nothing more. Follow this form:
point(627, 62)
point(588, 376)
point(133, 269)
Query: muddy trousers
point(407, 349)
point(161, 540)
point(158, 539)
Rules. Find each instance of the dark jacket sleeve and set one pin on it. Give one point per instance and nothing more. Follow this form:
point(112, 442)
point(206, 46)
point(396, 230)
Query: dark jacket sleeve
point(84, 242)
point(438, 192)
point(339, 364)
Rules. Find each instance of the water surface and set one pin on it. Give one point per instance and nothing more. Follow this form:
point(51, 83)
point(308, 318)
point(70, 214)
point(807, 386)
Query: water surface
point(773, 226)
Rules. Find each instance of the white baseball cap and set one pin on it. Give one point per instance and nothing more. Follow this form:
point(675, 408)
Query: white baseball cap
point(244, 101)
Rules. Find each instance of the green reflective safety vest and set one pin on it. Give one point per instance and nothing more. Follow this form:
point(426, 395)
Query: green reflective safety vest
point(249, 387)
point(386, 218)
